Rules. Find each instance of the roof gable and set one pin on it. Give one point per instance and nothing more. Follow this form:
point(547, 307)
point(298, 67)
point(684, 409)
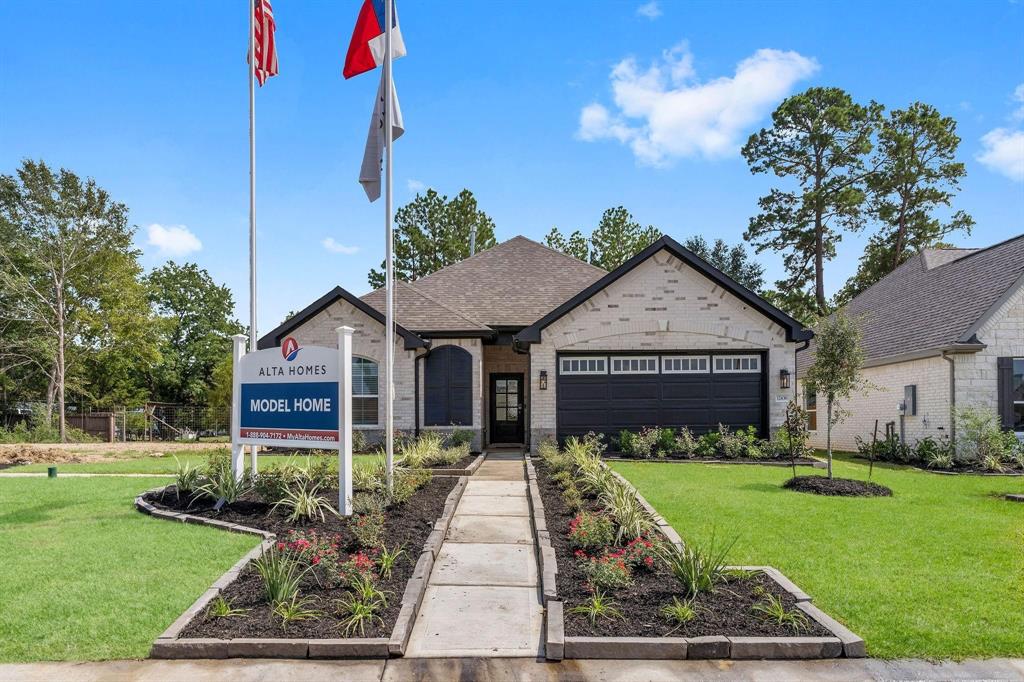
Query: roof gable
point(936, 301)
point(794, 330)
point(511, 284)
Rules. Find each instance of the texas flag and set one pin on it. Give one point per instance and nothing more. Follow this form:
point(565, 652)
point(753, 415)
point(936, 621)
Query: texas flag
point(366, 51)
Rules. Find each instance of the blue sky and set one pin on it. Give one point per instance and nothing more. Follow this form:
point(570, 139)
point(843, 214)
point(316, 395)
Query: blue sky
point(150, 98)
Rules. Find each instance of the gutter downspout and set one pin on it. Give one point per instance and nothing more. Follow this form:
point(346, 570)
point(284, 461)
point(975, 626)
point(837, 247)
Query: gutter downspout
point(952, 398)
point(416, 387)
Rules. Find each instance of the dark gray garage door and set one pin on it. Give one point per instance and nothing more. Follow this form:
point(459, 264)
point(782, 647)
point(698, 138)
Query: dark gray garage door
point(609, 393)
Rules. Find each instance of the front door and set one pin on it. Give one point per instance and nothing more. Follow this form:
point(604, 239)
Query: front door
point(507, 408)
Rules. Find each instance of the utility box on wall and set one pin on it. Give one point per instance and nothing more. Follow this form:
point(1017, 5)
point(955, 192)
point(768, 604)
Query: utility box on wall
point(910, 400)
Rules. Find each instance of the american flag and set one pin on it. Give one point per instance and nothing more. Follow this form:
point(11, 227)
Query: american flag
point(266, 51)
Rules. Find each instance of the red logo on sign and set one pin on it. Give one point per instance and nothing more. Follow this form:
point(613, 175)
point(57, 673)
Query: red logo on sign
point(290, 348)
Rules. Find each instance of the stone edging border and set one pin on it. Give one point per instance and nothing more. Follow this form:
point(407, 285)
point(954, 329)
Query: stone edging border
point(469, 470)
point(168, 645)
point(547, 568)
point(557, 646)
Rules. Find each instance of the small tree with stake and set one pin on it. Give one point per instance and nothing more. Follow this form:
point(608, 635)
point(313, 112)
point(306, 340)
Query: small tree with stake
point(836, 372)
point(795, 433)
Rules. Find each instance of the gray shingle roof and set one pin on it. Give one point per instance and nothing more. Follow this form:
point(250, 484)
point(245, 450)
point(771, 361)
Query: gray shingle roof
point(512, 284)
point(934, 300)
point(419, 312)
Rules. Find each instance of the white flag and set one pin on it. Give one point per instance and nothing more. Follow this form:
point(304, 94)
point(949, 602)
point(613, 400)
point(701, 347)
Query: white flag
point(369, 173)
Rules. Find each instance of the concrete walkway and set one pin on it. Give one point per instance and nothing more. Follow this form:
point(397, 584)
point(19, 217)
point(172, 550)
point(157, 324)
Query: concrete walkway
point(517, 669)
point(482, 598)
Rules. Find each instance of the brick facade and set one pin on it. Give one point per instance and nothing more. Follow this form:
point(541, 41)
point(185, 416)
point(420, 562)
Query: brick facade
point(662, 304)
point(975, 376)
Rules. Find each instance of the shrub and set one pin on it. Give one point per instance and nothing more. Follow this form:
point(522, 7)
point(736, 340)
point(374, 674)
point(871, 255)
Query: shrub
point(606, 572)
point(639, 445)
point(598, 606)
point(419, 452)
point(935, 454)
point(358, 567)
point(368, 529)
point(295, 610)
point(272, 483)
point(708, 444)
point(771, 609)
point(320, 471)
point(678, 612)
point(980, 439)
point(407, 482)
point(365, 503)
point(222, 485)
point(218, 464)
point(685, 443)
point(281, 573)
point(572, 497)
point(697, 567)
point(591, 531)
point(665, 443)
point(186, 478)
point(643, 552)
point(303, 503)
point(739, 443)
point(633, 521)
point(359, 442)
point(449, 456)
point(563, 479)
point(460, 437)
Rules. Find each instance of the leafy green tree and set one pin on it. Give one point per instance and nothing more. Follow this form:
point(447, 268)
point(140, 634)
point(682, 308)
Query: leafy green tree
point(797, 303)
point(616, 239)
point(836, 372)
point(732, 260)
point(915, 172)
point(819, 139)
point(195, 327)
point(577, 245)
point(68, 270)
point(432, 231)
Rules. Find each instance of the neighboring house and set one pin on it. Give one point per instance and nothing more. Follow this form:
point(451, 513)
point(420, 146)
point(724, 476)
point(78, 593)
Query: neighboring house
point(943, 331)
point(521, 342)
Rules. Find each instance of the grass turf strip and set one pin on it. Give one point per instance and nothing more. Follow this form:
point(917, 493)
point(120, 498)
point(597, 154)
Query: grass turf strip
point(936, 571)
point(84, 576)
point(165, 464)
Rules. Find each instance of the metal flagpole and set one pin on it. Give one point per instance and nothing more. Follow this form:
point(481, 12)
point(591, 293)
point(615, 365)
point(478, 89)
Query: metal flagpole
point(252, 196)
point(389, 250)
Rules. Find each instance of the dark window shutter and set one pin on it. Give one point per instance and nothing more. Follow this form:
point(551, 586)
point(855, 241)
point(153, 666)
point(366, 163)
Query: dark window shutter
point(448, 387)
point(1004, 391)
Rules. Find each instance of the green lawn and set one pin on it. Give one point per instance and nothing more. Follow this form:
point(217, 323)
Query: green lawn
point(83, 575)
point(937, 571)
point(165, 464)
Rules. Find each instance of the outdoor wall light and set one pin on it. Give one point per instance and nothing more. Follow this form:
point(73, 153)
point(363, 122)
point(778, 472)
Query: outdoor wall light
point(543, 380)
point(784, 378)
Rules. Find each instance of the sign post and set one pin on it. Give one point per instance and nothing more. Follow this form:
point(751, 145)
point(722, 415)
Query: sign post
point(294, 397)
point(345, 403)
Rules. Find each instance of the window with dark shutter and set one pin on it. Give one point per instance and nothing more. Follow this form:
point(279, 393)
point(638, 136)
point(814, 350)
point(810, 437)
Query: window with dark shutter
point(1010, 391)
point(448, 387)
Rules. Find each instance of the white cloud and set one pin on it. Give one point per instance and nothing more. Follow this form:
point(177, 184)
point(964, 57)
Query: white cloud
point(649, 10)
point(1018, 97)
point(1002, 150)
point(415, 186)
point(335, 247)
point(665, 112)
point(172, 240)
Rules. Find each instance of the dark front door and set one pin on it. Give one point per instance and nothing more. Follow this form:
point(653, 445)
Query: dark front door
point(507, 408)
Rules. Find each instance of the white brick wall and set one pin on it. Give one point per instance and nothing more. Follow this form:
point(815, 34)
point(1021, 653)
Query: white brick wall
point(976, 385)
point(661, 304)
point(1004, 337)
point(931, 375)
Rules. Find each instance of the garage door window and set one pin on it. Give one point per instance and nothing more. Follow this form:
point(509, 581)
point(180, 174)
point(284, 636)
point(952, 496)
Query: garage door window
point(737, 363)
point(634, 365)
point(584, 366)
point(684, 364)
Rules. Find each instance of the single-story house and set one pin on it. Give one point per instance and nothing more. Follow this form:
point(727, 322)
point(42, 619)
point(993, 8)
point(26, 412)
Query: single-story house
point(943, 331)
point(521, 342)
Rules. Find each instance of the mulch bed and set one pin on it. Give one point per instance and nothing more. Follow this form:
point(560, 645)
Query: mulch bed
point(726, 611)
point(407, 524)
point(840, 487)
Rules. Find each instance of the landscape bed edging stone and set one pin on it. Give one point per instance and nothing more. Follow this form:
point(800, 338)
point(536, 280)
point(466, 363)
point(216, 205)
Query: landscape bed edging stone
point(843, 641)
point(169, 646)
point(547, 564)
